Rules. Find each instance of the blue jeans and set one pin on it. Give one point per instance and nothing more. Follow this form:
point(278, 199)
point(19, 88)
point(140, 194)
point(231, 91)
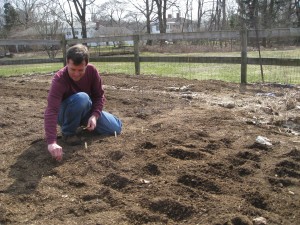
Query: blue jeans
point(76, 110)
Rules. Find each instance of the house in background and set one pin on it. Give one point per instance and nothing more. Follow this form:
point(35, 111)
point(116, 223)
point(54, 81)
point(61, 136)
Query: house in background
point(95, 30)
point(91, 28)
point(174, 25)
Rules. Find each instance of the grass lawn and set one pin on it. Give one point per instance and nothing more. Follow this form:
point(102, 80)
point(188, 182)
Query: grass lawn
point(15, 70)
point(226, 72)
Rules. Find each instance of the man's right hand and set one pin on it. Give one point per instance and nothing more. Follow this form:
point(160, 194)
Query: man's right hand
point(56, 151)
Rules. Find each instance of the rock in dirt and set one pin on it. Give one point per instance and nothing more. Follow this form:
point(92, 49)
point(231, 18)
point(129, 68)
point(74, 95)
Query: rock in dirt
point(263, 141)
point(228, 105)
point(259, 221)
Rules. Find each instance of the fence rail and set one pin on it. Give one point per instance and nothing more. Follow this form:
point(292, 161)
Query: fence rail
point(242, 35)
point(4, 42)
point(168, 59)
point(30, 61)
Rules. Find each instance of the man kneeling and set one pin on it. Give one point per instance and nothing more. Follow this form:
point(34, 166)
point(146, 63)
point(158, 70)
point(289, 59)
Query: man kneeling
point(75, 99)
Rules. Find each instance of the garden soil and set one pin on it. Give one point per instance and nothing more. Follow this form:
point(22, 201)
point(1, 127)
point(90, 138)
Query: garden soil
point(191, 152)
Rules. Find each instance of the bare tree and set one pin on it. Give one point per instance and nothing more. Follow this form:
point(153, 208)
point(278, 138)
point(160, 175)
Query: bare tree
point(1, 18)
point(297, 9)
point(49, 27)
point(134, 21)
point(291, 14)
point(65, 13)
point(120, 10)
point(217, 15)
point(200, 13)
point(146, 8)
point(93, 13)
point(113, 11)
point(188, 14)
point(224, 15)
point(26, 10)
point(218, 18)
point(161, 14)
point(212, 16)
point(81, 9)
point(162, 7)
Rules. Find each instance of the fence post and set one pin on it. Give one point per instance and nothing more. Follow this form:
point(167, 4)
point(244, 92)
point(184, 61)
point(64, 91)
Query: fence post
point(244, 60)
point(64, 49)
point(136, 55)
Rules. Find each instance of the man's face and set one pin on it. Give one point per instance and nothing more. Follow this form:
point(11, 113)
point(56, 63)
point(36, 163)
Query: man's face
point(76, 72)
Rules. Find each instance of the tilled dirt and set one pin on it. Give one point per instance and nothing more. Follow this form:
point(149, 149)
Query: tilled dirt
point(187, 155)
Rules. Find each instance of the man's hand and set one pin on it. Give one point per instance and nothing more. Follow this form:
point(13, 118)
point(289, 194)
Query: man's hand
point(92, 123)
point(56, 151)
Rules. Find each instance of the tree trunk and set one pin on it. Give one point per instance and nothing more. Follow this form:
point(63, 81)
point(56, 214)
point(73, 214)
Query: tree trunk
point(148, 20)
point(200, 14)
point(297, 6)
point(161, 14)
point(81, 13)
point(224, 20)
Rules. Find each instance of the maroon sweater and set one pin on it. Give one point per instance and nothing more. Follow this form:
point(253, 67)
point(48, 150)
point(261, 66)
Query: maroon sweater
point(62, 87)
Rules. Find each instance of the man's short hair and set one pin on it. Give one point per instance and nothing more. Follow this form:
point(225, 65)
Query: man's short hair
point(78, 53)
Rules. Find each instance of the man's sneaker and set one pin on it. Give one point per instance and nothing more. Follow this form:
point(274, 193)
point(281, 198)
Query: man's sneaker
point(71, 139)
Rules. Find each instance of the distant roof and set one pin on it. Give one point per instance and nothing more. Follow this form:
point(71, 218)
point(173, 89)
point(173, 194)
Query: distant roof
point(173, 20)
point(77, 25)
point(100, 32)
point(112, 31)
point(29, 32)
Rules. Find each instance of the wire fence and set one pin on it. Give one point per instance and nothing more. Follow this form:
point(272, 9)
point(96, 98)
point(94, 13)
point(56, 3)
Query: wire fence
point(189, 57)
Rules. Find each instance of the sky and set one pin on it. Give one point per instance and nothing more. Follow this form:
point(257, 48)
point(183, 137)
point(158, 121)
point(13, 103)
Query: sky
point(173, 11)
point(182, 5)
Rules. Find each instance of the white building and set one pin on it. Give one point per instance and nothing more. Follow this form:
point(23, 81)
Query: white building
point(91, 28)
point(174, 25)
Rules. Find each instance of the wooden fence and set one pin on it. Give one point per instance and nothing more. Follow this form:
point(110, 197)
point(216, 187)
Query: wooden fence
point(243, 36)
